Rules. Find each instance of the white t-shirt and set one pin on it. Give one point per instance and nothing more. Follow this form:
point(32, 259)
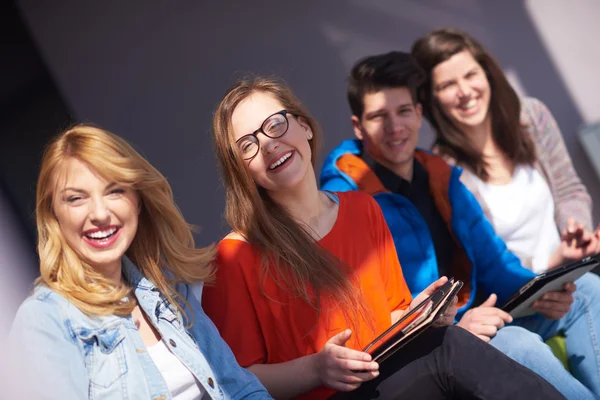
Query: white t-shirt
point(523, 215)
point(181, 382)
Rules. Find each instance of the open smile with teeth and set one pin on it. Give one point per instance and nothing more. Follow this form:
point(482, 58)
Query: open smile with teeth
point(100, 236)
point(282, 160)
point(398, 142)
point(468, 105)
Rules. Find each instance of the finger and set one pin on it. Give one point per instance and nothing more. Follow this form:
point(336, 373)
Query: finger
point(491, 301)
point(355, 365)
point(435, 285)
point(570, 225)
point(493, 320)
point(341, 338)
point(558, 297)
point(550, 307)
point(586, 235)
point(357, 377)
point(570, 287)
point(485, 330)
point(483, 312)
point(344, 387)
point(484, 338)
point(344, 353)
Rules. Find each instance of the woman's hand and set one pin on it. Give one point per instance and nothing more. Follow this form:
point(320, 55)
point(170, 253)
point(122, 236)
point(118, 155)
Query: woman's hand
point(448, 317)
point(576, 243)
point(341, 368)
point(429, 290)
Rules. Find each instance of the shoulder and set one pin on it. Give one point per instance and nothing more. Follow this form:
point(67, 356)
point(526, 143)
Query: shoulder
point(235, 251)
point(533, 109)
point(43, 308)
point(354, 199)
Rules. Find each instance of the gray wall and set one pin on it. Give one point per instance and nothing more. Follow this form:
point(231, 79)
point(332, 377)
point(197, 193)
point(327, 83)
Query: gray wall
point(154, 71)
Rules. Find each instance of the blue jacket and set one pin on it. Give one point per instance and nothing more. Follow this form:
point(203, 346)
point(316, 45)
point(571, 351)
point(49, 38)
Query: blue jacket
point(66, 354)
point(482, 260)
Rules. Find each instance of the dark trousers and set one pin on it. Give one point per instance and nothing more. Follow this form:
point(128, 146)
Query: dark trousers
point(451, 363)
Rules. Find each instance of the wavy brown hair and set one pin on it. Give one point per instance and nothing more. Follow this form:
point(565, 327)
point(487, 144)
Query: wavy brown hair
point(163, 240)
point(289, 254)
point(508, 132)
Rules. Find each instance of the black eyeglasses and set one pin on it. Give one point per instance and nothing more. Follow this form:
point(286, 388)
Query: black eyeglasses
point(274, 126)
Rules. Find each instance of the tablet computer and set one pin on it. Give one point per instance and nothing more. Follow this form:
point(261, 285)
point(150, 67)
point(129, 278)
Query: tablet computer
point(413, 323)
point(519, 304)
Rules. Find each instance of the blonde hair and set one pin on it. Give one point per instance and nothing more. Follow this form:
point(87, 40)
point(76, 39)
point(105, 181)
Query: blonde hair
point(163, 240)
point(289, 255)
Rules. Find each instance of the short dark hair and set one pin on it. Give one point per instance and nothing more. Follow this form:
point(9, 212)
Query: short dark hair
point(395, 69)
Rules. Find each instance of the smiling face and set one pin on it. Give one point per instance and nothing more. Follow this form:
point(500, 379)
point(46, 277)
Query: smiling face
point(98, 218)
point(462, 89)
point(282, 162)
point(389, 127)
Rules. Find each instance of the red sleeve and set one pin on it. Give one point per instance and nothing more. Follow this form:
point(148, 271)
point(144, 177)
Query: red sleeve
point(398, 294)
point(230, 306)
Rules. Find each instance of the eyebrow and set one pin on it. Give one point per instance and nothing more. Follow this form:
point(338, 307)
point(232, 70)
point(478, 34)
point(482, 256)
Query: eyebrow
point(109, 186)
point(370, 113)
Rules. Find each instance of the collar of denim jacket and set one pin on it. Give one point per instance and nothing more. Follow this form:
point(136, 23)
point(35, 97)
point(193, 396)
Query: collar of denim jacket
point(147, 293)
point(134, 277)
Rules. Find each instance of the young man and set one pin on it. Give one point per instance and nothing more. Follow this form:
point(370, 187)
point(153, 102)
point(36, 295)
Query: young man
point(439, 228)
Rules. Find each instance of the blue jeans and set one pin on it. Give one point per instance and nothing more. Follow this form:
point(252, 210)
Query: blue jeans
point(580, 326)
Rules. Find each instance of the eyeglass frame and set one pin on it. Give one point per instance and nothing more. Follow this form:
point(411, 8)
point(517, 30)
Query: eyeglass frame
point(285, 113)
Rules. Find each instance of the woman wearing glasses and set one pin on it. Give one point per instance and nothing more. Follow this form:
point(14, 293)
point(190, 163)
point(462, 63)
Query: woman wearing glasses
point(308, 278)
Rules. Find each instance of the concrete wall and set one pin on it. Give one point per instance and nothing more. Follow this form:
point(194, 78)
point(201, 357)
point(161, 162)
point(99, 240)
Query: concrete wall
point(153, 71)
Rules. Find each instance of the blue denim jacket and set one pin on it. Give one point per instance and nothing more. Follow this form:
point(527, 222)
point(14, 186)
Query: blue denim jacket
point(70, 355)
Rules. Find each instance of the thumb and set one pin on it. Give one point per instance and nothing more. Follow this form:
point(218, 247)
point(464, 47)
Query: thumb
point(341, 338)
point(491, 301)
point(435, 285)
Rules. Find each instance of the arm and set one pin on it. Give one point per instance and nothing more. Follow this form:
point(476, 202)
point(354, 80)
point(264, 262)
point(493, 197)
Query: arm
point(45, 363)
point(571, 196)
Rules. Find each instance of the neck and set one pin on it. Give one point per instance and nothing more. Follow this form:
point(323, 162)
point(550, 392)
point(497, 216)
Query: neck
point(304, 202)
point(482, 138)
point(112, 272)
point(403, 170)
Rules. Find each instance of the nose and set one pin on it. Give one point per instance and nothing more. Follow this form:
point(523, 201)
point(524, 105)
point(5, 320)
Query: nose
point(267, 144)
point(394, 123)
point(463, 89)
point(99, 213)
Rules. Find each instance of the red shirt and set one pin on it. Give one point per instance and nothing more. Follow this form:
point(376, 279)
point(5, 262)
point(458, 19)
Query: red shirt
point(273, 326)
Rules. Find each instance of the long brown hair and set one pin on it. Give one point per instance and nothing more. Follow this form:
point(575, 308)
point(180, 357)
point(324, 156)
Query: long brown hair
point(163, 238)
point(289, 254)
point(508, 132)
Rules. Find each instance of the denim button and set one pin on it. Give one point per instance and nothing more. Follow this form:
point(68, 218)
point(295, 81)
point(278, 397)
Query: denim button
point(211, 383)
point(172, 343)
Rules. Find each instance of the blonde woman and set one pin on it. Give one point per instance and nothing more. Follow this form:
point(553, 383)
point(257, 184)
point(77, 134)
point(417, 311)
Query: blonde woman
point(112, 315)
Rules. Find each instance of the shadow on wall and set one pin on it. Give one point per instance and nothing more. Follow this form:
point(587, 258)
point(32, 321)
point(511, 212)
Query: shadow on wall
point(153, 72)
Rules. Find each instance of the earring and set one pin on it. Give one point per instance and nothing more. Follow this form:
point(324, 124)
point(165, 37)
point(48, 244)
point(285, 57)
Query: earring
point(310, 135)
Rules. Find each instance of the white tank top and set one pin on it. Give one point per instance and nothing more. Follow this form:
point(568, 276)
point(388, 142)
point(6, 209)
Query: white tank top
point(181, 382)
point(523, 216)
